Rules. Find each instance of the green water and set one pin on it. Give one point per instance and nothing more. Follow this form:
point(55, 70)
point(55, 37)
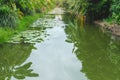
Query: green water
point(12, 57)
point(70, 52)
point(99, 52)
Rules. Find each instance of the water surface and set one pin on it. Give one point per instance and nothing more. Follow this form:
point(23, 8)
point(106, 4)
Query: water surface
point(70, 52)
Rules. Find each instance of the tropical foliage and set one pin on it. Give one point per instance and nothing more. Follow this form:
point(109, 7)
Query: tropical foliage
point(95, 9)
point(13, 10)
point(115, 9)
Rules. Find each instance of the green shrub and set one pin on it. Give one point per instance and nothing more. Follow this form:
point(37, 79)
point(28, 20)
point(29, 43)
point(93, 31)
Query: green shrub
point(115, 9)
point(95, 9)
point(99, 9)
point(8, 18)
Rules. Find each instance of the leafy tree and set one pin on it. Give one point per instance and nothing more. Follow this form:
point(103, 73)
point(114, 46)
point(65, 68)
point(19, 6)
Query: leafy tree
point(115, 9)
point(95, 9)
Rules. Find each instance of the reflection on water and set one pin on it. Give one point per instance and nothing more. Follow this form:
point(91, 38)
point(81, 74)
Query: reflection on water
point(53, 58)
point(12, 58)
point(96, 55)
point(97, 51)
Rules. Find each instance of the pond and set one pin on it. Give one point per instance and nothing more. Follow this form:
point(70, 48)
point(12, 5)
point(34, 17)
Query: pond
point(69, 51)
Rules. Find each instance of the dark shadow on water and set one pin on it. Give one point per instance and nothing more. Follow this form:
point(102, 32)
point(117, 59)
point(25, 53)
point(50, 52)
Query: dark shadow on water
point(98, 52)
point(12, 58)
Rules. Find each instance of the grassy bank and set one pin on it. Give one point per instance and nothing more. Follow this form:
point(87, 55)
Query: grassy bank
point(7, 33)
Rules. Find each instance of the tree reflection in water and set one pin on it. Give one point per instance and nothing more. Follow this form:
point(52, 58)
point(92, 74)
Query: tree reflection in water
point(98, 53)
point(12, 57)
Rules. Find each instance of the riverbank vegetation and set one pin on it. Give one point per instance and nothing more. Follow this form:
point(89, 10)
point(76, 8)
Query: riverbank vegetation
point(17, 15)
point(25, 22)
point(91, 10)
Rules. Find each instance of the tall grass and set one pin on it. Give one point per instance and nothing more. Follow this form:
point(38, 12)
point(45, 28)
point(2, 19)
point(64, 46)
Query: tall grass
point(5, 34)
point(27, 21)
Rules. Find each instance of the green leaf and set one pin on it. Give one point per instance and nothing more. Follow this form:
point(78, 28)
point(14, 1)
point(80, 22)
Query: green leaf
point(32, 75)
point(26, 66)
point(19, 77)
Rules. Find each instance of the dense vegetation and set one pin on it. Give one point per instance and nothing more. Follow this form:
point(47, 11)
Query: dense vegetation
point(95, 9)
point(17, 15)
point(13, 10)
point(14, 13)
point(115, 9)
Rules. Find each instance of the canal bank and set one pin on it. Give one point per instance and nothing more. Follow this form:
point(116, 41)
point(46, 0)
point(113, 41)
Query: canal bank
point(114, 28)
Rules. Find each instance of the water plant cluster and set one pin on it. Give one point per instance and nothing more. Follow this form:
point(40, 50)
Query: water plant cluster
point(95, 9)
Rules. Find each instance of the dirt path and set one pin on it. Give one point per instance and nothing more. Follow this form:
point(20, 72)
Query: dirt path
point(57, 10)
